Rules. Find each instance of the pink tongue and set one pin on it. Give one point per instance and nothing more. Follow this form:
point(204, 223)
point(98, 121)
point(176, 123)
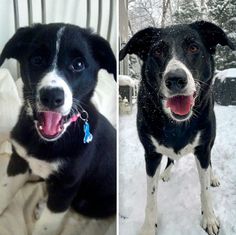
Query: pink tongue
point(50, 122)
point(180, 105)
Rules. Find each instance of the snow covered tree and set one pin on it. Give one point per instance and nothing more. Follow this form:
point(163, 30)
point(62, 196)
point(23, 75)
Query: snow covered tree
point(223, 13)
point(187, 12)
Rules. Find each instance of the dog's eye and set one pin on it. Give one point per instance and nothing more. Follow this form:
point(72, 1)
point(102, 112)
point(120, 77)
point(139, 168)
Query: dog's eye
point(193, 48)
point(77, 65)
point(158, 52)
point(36, 60)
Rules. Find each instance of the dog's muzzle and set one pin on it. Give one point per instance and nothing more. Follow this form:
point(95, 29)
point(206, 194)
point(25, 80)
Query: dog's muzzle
point(180, 96)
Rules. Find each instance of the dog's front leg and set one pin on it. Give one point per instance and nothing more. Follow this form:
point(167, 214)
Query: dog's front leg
point(58, 203)
point(153, 171)
point(209, 220)
point(16, 176)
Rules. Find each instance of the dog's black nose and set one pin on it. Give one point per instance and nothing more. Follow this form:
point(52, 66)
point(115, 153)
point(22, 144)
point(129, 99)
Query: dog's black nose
point(52, 97)
point(176, 80)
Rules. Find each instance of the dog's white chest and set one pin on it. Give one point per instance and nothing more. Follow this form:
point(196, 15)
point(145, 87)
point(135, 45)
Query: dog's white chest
point(169, 152)
point(38, 167)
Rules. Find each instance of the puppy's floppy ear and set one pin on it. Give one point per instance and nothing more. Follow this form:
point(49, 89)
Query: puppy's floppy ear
point(18, 43)
point(212, 35)
point(103, 54)
point(140, 43)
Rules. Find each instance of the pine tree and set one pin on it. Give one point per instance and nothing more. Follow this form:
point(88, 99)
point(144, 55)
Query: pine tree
point(223, 13)
point(187, 12)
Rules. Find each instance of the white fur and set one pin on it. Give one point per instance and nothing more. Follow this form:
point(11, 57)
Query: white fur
point(169, 152)
point(9, 185)
point(150, 223)
point(165, 176)
point(49, 223)
point(58, 42)
point(54, 80)
point(214, 180)
point(209, 220)
point(39, 167)
point(174, 64)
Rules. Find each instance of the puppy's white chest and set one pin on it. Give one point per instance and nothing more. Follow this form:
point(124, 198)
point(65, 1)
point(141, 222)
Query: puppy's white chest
point(42, 168)
point(169, 152)
point(38, 167)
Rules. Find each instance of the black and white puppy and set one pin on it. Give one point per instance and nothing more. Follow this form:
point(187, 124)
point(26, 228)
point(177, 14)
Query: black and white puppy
point(59, 64)
point(175, 105)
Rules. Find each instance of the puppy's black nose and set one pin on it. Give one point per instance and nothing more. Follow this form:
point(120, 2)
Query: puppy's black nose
point(52, 97)
point(176, 80)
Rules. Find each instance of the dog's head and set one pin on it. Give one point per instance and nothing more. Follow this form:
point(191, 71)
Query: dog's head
point(59, 65)
point(177, 62)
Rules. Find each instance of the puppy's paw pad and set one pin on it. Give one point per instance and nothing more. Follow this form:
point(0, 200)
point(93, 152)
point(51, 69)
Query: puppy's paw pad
point(215, 182)
point(211, 225)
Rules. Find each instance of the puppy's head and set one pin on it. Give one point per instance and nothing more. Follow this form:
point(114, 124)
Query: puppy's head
point(59, 65)
point(177, 63)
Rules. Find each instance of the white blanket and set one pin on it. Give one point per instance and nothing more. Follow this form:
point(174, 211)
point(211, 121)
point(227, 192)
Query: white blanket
point(18, 218)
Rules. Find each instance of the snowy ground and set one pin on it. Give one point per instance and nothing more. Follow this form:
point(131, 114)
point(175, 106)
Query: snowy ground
point(178, 199)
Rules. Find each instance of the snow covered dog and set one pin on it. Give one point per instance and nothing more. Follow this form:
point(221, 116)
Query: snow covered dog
point(175, 106)
point(60, 136)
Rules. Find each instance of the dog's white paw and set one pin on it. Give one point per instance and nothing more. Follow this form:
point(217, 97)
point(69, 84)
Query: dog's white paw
point(148, 229)
point(215, 182)
point(165, 176)
point(210, 224)
point(39, 208)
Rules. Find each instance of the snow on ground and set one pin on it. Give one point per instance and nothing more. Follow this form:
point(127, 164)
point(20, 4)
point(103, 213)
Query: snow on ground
point(179, 199)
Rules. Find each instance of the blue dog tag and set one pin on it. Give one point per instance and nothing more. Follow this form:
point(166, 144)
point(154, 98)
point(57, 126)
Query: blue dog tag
point(87, 135)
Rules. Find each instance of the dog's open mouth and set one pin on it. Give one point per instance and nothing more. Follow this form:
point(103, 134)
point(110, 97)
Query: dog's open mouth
point(181, 105)
point(50, 124)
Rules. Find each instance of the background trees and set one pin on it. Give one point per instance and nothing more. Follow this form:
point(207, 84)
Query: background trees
point(160, 13)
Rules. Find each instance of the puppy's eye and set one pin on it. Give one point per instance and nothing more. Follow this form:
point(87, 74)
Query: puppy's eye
point(193, 49)
point(77, 65)
point(37, 61)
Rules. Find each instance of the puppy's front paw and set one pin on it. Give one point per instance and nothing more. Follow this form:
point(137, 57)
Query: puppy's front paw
point(39, 208)
point(148, 229)
point(210, 224)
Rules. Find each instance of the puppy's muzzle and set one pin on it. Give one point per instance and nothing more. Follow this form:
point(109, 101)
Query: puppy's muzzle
point(52, 98)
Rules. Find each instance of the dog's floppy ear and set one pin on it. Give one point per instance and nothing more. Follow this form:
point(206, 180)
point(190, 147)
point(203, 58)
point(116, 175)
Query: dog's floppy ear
point(18, 43)
point(212, 35)
point(140, 43)
point(103, 54)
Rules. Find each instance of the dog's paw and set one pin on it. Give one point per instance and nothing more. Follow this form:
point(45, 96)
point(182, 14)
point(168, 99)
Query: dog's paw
point(215, 182)
point(147, 229)
point(210, 224)
point(165, 176)
point(39, 208)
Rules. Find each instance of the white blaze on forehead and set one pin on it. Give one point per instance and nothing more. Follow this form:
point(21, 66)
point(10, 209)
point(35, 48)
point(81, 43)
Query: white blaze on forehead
point(174, 64)
point(54, 80)
point(58, 42)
